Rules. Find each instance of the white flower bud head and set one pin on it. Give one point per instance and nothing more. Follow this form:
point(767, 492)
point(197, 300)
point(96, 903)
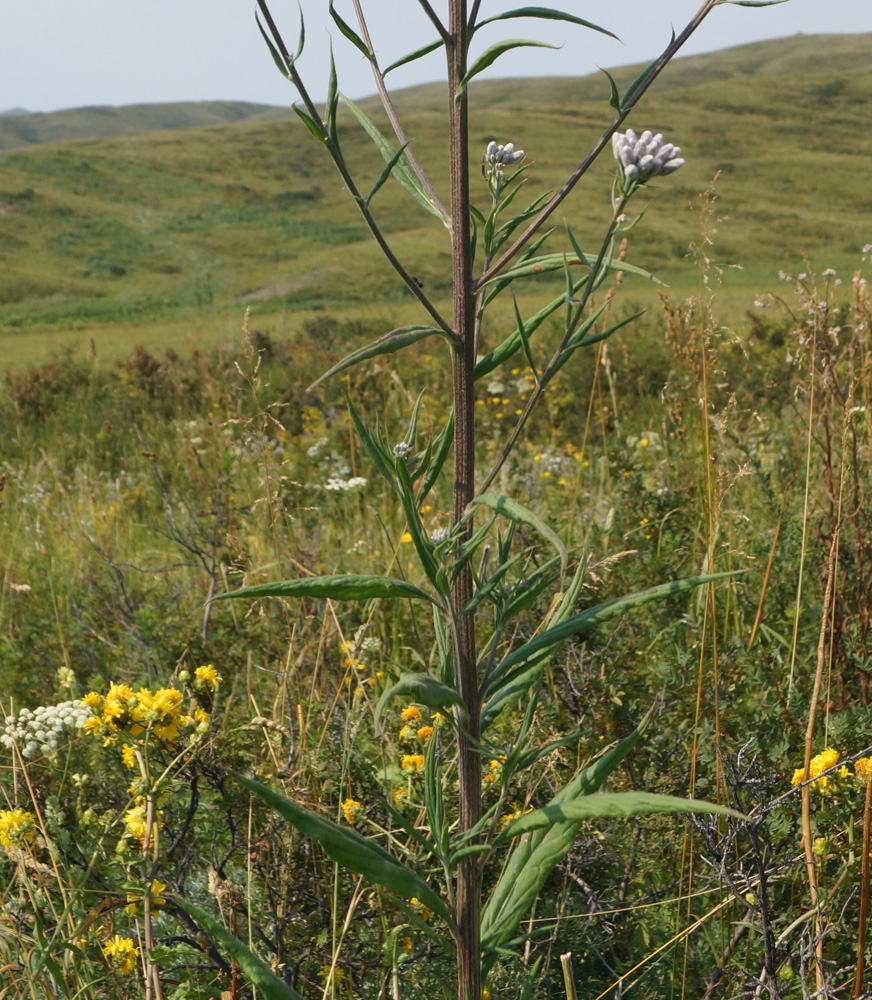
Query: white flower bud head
point(643, 157)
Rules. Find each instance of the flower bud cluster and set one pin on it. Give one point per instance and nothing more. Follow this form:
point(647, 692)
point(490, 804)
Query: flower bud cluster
point(496, 157)
point(644, 157)
point(41, 730)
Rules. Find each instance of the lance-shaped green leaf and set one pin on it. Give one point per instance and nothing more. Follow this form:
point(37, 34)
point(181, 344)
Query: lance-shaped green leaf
point(609, 804)
point(352, 850)
point(423, 546)
point(332, 105)
point(342, 587)
point(256, 971)
point(580, 340)
point(534, 858)
point(555, 262)
point(521, 515)
point(310, 123)
point(388, 170)
point(544, 14)
point(490, 56)
point(377, 454)
point(445, 440)
point(402, 173)
point(388, 343)
point(273, 51)
point(349, 32)
point(412, 56)
point(586, 620)
point(424, 689)
point(614, 97)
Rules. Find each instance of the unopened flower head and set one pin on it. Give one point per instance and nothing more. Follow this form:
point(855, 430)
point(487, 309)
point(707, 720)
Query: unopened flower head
point(402, 449)
point(643, 157)
point(496, 158)
point(439, 536)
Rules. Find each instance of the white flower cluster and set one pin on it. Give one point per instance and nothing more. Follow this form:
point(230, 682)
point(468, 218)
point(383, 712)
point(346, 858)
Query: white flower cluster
point(439, 536)
point(41, 730)
point(646, 157)
point(496, 157)
point(337, 484)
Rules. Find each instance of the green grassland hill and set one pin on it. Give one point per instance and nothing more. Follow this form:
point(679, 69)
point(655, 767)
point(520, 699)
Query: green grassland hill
point(167, 236)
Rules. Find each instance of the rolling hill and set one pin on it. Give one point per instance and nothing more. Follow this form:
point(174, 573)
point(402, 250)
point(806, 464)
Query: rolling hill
point(167, 236)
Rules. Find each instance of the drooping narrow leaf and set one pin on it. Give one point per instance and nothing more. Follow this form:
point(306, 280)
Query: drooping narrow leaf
point(274, 52)
point(412, 56)
point(586, 620)
point(402, 173)
point(342, 587)
point(525, 340)
point(332, 103)
point(614, 97)
point(388, 170)
point(255, 969)
point(446, 439)
point(349, 32)
point(534, 858)
point(377, 454)
point(309, 123)
point(609, 804)
point(521, 515)
point(389, 343)
point(490, 56)
point(544, 14)
point(422, 688)
point(352, 850)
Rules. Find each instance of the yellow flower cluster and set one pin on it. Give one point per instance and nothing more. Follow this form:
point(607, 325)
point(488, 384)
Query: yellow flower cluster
point(419, 909)
point(123, 710)
point(208, 676)
point(494, 773)
point(122, 953)
point(412, 763)
point(352, 811)
point(134, 901)
point(823, 761)
point(411, 714)
point(17, 826)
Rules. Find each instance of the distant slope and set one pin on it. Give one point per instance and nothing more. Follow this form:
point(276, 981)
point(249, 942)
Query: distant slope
point(20, 128)
point(174, 226)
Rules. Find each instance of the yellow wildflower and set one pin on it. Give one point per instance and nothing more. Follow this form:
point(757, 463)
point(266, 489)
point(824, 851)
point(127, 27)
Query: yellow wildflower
point(17, 826)
point(209, 676)
point(411, 714)
point(128, 756)
point(135, 821)
point(412, 762)
point(351, 810)
point(92, 700)
point(407, 734)
point(400, 796)
point(157, 899)
point(821, 762)
point(424, 733)
point(862, 766)
point(122, 954)
point(485, 994)
point(407, 945)
point(407, 537)
point(419, 909)
point(337, 972)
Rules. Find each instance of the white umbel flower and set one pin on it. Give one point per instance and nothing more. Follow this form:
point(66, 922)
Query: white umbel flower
point(643, 157)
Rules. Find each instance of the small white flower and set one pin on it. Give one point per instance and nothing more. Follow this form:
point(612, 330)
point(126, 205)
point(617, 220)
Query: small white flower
point(829, 273)
point(439, 536)
point(401, 449)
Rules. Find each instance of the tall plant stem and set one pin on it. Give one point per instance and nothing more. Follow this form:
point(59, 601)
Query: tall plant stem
point(468, 893)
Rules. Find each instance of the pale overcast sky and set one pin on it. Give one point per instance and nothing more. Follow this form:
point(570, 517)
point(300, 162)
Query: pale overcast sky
point(60, 54)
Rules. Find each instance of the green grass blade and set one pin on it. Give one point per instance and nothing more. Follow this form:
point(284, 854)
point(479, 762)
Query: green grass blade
point(342, 587)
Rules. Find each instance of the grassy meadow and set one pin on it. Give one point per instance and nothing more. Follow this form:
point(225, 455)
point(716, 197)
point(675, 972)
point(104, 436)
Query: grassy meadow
point(166, 298)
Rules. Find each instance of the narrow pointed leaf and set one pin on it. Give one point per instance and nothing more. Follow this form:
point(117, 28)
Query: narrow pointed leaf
point(491, 55)
point(349, 32)
point(332, 103)
point(402, 173)
point(421, 688)
point(535, 857)
point(554, 262)
point(445, 441)
point(274, 52)
point(412, 56)
point(586, 620)
point(309, 123)
point(609, 804)
point(544, 14)
point(594, 338)
point(389, 343)
point(377, 454)
point(423, 546)
point(517, 512)
point(388, 170)
point(634, 86)
point(351, 849)
point(525, 340)
point(343, 587)
point(255, 969)
point(615, 96)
